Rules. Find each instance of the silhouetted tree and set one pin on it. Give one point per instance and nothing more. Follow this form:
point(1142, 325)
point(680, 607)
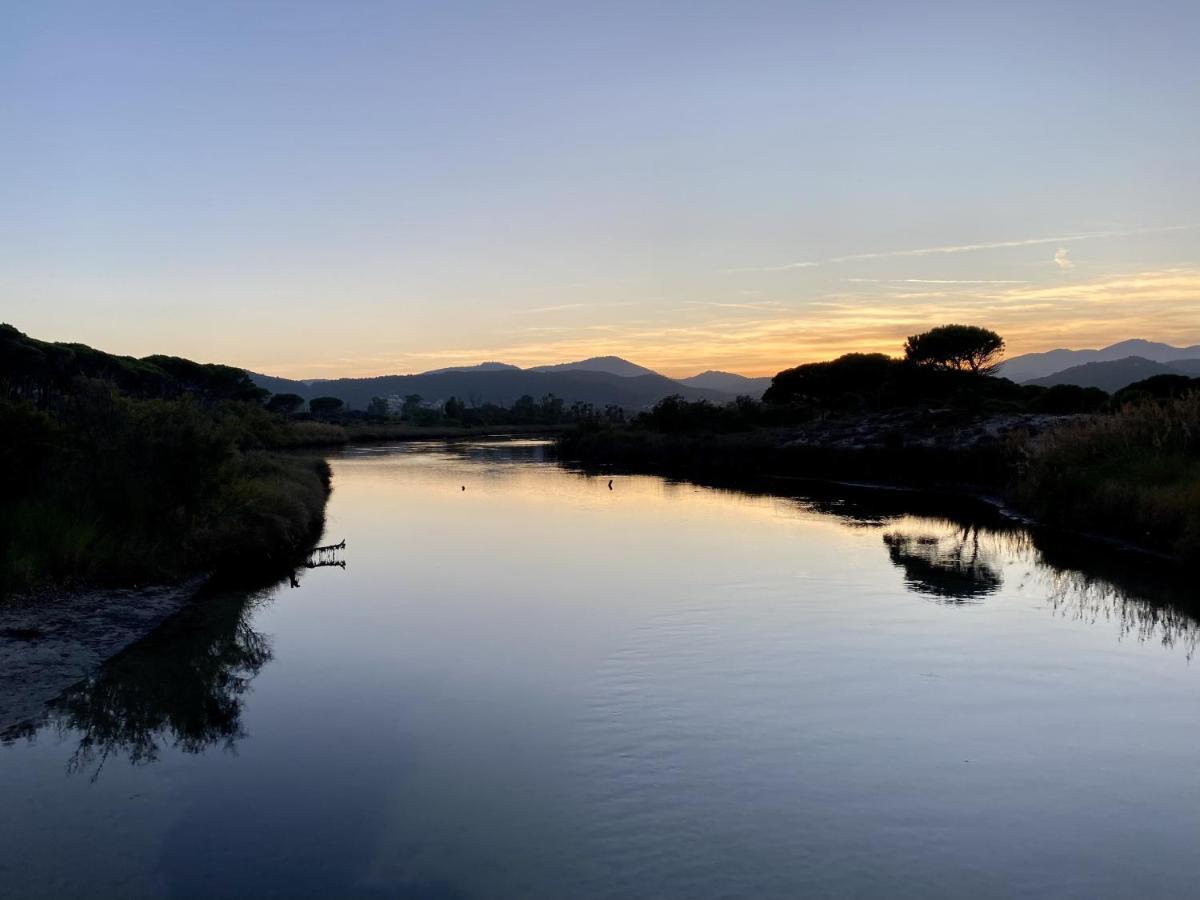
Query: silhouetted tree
point(324, 405)
point(411, 406)
point(1157, 387)
point(524, 408)
point(454, 408)
point(378, 407)
point(285, 404)
point(862, 376)
point(958, 348)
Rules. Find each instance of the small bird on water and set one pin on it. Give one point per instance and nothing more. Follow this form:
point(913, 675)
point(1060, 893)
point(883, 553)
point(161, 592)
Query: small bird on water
point(464, 487)
point(610, 484)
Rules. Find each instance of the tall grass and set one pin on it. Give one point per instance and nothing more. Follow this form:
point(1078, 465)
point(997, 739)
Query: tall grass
point(114, 489)
point(1134, 473)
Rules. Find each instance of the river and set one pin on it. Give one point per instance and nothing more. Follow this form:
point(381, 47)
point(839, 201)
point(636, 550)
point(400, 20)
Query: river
point(525, 683)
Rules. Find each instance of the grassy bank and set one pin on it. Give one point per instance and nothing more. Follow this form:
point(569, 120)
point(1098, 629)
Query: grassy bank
point(116, 491)
point(1134, 474)
point(877, 451)
point(1131, 474)
point(120, 471)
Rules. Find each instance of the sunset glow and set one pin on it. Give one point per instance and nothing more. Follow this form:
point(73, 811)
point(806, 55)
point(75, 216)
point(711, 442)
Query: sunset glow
point(310, 193)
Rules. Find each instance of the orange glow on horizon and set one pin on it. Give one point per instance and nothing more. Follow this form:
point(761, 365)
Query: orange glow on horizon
point(1162, 306)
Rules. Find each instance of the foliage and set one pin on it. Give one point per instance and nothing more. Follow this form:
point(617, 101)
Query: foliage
point(454, 408)
point(673, 415)
point(43, 373)
point(1157, 387)
point(119, 470)
point(860, 382)
point(855, 378)
point(1134, 473)
point(956, 348)
point(1064, 399)
point(285, 404)
point(319, 406)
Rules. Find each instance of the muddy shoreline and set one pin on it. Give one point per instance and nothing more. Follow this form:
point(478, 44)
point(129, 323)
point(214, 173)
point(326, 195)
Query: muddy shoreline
point(49, 643)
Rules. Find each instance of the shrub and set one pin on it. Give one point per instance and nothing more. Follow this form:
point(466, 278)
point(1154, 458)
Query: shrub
point(1133, 473)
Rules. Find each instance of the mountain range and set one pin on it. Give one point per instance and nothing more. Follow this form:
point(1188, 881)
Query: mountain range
point(1039, 365)
point(1108, 368)
point(1115, 374)
point(604, 380)
point(600, 380)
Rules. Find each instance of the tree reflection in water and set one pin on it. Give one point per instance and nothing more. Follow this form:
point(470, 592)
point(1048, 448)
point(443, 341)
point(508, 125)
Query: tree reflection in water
point(958, 563)
point(1085, 598)
point(182, 686)
point(951, 567)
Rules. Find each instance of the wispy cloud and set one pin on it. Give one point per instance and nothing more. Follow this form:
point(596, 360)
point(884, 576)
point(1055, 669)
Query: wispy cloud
point(1062, 260)
point(559, 307)
point(563, 307)
point(964, 248)
point(1161, 305)
point(760, 305)
point(956, 281)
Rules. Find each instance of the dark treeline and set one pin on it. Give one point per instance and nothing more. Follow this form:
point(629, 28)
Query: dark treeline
point(1126, 464)
point(115, 469)
point(415, 410)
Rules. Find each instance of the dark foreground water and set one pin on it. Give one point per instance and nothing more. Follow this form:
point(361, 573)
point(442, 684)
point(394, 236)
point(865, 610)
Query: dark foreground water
point(542, 688)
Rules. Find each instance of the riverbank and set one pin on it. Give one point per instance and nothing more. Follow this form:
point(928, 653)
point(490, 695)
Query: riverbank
point(913, 448)
point(54, 640)
point(1131, 478)
point(316, 434)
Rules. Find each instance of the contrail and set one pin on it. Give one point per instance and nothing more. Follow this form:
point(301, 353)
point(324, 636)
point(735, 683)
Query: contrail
point(964, 248)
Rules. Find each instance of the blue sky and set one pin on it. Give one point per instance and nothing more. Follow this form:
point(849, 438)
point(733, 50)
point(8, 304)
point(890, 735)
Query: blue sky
point(321, 189)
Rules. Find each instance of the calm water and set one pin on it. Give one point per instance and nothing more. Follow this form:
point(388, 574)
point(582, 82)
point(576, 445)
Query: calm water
point(540, 687)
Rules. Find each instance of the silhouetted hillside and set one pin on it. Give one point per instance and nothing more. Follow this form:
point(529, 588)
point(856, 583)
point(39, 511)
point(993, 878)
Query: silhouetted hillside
point(1189, 367)
point(479, 367)
point(1040, 365)
point(1108, 376)
point(613, 365)
point(502, 387)
point(729, 383)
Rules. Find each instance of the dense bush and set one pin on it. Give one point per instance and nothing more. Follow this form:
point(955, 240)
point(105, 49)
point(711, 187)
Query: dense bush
point(1064, 399)
point(862, 382)
point(119, 470)
point(1157, 387)
point(1133, 473)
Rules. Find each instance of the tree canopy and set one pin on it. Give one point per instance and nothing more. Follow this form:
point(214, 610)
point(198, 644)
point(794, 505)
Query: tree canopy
point(956, 348)
point(324, 404)
point(285, 403)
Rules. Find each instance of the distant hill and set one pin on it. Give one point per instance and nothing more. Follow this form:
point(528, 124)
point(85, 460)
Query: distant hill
point(1186, 366)
point(1109, 376)
point(1032, 366)
point(729, 383)
point(613, 365)
point(479, 367)
point(500, 386)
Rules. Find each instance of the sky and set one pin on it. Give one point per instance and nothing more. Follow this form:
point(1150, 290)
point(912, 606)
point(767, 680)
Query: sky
point(317, 189)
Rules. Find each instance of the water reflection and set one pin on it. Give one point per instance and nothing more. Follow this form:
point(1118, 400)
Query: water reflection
point(1084, 598)
point(956, 551)
point(951, 568)
point(184, 686)
point(181, 687)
